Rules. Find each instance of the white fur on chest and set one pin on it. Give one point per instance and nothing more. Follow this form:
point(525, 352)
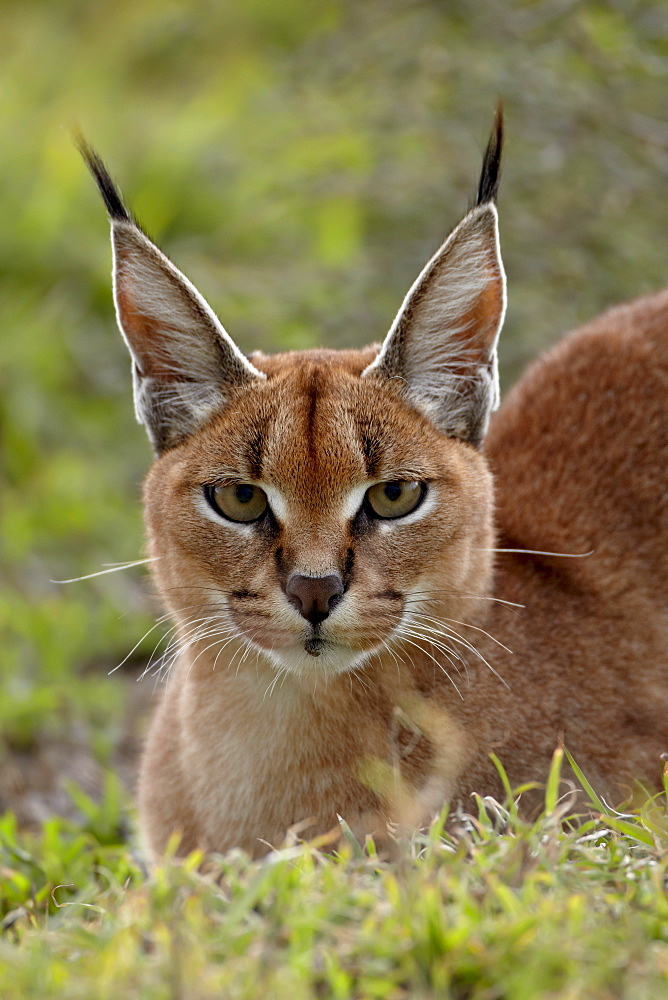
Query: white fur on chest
point(249, 756)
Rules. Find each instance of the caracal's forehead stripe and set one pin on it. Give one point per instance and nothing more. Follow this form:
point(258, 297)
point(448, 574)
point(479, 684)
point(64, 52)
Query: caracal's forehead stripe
point(320, 437)
point(255, 452)
point(372, 450)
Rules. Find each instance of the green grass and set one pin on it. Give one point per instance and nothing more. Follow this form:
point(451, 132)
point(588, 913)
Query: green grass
point(300, 163)
point(491, 907)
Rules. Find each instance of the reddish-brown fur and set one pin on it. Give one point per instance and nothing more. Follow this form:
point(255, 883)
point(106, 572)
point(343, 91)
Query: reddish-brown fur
point(438, 641)
point(579, 450)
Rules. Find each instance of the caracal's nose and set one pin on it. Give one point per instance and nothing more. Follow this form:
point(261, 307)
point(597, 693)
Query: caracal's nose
point(314, 596)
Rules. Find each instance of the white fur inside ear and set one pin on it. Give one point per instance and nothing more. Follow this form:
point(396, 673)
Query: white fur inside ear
point(159, 293)
point(442, 343)
point(185, 361)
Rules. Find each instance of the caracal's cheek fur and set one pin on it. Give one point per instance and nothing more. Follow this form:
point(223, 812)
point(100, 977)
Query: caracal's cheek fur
point(313, 437)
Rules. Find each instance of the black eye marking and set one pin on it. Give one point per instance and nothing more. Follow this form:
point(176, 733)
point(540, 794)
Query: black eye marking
point(371, 450)
point(281, 567)
point(348, 567)
point(255, 454)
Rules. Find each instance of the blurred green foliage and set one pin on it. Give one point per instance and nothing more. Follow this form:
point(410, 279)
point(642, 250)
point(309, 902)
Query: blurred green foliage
point(299, 162)
point(501, 909)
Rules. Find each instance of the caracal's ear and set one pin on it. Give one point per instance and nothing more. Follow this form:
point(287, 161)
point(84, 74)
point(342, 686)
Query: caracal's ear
point(184, 363)
point(442, 345)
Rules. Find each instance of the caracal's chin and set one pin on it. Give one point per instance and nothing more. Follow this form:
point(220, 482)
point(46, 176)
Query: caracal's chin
point(314, 655)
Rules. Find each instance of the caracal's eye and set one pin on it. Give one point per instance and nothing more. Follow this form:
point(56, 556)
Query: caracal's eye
point(240, 502)
point(394, 499)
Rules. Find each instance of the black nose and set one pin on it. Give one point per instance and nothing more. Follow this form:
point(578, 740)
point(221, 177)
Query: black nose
point(314, 596)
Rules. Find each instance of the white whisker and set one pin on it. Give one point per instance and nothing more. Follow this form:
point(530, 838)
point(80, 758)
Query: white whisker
point(537, 552)
point(466, 625)
point(447, 632)
point(439, 665)
point(458, 596)
point(112, 568)
point(450, 654)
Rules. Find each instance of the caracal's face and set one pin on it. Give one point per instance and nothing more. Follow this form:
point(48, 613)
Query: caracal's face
point(276, 488)
point(315, 507)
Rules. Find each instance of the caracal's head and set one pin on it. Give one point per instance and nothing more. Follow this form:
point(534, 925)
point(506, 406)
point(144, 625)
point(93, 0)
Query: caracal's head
point(312, 505)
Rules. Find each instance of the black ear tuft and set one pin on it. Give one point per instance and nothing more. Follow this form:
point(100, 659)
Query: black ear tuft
point(491, 164)
point(108, 190)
